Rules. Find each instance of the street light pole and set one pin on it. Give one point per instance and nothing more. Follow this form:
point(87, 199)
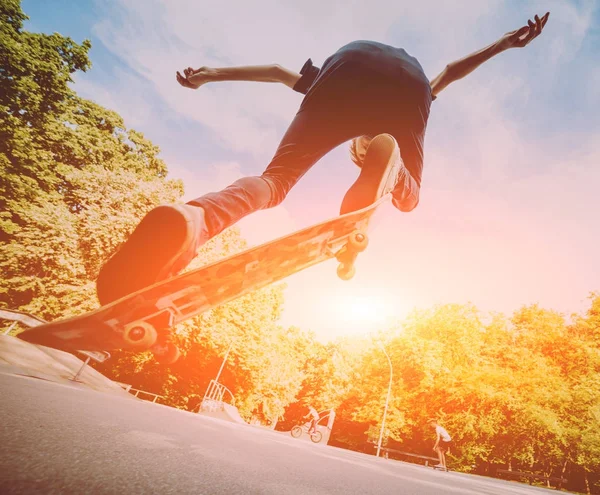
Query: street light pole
point(223, 363)
point(387, 401)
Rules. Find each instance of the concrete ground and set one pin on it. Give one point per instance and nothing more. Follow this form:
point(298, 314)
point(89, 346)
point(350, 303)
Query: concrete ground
point(61, 437)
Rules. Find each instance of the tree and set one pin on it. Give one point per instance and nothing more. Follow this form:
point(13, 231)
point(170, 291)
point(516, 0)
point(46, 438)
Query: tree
point(74, 181)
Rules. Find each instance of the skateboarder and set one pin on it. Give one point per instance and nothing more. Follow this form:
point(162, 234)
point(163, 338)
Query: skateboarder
point(365, 89)
point(442, 443)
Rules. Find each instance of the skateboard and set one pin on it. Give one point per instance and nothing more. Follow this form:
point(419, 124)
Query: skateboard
point(141, 321)
point(134, 322)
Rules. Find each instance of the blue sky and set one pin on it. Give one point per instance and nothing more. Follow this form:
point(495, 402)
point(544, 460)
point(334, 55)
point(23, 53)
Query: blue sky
point(509, 206)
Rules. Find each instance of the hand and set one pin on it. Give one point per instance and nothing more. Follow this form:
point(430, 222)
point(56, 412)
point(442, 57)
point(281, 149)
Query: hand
point(523, 36)
point(193, 79)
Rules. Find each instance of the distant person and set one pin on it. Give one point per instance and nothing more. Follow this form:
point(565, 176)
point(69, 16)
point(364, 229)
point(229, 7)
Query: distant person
point(312, 413)
point(442, 443)
point(363, 90)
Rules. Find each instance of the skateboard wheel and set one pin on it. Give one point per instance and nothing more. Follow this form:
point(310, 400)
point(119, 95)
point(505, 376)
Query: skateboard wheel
point(167, 353)
point(358, 241)
point(345, 272)
point(140, 335)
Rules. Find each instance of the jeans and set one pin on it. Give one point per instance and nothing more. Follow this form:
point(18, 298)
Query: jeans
point(351, 101)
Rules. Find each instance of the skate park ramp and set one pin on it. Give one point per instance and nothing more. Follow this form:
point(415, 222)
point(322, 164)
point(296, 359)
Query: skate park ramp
point(221, 410)
point(23, 358)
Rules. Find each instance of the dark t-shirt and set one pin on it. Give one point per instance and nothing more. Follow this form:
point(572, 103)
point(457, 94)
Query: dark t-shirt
point(384, 59)
point(391, 62)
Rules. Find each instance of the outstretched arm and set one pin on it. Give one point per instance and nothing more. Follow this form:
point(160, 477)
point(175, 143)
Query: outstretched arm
point(460, 68)
point(194, 78)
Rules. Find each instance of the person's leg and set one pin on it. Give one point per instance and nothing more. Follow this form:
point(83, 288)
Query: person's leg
point(168, 237)
point(379, 173)
point(405, 195)
point(312, 134)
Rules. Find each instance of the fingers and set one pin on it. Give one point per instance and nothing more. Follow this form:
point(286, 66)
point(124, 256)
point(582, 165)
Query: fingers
point(183, 81)
point(531, 34)
point(534, 28)
point(545, 18)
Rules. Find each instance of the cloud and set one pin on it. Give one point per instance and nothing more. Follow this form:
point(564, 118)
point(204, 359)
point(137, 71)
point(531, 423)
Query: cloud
point(125, 96)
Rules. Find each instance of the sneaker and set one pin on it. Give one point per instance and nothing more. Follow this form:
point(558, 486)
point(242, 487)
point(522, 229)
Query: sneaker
point(163, 244)
point(378, 175)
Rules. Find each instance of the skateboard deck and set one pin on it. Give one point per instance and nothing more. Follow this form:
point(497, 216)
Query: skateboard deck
point(134, 322)
point(438, 468)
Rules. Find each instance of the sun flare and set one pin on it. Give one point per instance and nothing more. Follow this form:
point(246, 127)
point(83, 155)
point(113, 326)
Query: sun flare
point(363, 311)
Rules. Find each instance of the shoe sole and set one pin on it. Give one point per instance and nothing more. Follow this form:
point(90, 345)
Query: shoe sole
point(378, 175)
point(149, 254)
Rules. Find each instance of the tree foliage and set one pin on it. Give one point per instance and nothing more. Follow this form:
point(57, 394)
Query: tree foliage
point(74, 180)
point(519, 393)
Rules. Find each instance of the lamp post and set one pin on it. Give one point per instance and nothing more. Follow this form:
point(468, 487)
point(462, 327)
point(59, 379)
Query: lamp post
point(223, 363)
point(387, 401)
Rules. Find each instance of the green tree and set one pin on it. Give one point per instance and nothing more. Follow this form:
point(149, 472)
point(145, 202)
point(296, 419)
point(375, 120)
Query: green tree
point(73, 180)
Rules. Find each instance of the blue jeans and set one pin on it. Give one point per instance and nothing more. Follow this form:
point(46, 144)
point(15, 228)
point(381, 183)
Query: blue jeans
point(351, 101)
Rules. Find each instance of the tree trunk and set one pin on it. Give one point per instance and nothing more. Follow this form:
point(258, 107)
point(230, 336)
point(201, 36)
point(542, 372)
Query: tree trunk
point(587, 483)
point(562, 474)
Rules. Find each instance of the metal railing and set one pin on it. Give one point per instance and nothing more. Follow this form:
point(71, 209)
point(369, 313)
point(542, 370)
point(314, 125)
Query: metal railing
point(136, 392)
point(214, 397)
point(98, 356)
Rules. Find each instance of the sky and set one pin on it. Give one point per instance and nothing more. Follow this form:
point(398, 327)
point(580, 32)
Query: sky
point(509, 206)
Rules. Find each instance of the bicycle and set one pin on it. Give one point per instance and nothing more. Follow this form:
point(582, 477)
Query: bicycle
point(316, 436)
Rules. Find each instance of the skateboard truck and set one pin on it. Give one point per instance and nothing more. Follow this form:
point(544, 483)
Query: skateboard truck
point(356, 242)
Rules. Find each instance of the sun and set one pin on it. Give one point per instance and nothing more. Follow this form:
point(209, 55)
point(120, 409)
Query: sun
point(365, 310)
point(332, 308)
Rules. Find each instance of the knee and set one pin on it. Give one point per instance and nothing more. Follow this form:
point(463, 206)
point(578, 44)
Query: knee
point(279, 189)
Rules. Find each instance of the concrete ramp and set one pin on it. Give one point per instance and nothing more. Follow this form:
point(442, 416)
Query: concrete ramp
point(233, 414)
point(221, 410)
point(28, 359)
